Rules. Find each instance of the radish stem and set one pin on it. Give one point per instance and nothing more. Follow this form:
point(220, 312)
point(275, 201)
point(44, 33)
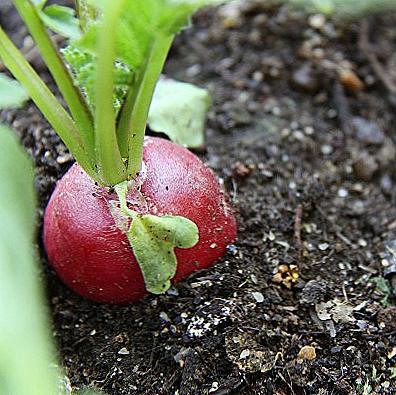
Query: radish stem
point(76, 103)
point(56, 115)
point(109, 161)
point(133, 120)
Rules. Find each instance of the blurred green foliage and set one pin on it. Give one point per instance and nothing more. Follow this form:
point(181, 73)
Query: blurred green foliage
point(27, 364)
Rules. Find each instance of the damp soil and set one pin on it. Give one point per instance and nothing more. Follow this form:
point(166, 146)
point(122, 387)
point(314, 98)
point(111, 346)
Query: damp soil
point(302, 133)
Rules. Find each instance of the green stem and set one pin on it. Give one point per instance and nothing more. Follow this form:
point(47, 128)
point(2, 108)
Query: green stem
point(121, 190)
point(108, 157)
point(56, 115)
point(124, 117)
point(72, 95)
point(132, 124)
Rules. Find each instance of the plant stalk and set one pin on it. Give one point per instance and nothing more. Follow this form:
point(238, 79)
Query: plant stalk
point(56, 115)
point(72, 95)
point(133, 119)
point(108, 157)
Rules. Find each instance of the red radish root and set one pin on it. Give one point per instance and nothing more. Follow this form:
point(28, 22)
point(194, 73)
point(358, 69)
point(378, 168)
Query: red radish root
point(84, 232)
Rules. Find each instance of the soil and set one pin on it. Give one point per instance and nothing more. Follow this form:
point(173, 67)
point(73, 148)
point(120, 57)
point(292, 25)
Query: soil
point(302, 132)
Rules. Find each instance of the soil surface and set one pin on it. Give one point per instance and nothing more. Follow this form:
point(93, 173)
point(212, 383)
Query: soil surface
point(302, 132)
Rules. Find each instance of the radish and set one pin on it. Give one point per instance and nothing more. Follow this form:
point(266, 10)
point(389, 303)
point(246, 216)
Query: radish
point(88, 245)
point(134, 214)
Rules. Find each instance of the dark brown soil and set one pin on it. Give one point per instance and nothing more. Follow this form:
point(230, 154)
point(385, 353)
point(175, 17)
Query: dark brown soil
point(312, 182)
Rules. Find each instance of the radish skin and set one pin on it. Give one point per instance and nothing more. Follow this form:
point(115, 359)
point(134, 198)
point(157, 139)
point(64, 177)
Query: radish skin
point(84, 231)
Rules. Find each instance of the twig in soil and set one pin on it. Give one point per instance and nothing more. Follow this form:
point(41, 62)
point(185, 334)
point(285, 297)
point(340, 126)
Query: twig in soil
point(343, 108)
point(234, 190)
point(330, 327)
point(297, 231)
point(344, 239)
point(378, 68)
point(315, 318)
point(231, 388)
point(289, 384)
point(152, 351)
point(345, 293)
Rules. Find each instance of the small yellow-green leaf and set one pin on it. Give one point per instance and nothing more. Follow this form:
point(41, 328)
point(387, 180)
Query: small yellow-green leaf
point(153, 240)
point(61, 20)
point(179, 110)
point(12, 94)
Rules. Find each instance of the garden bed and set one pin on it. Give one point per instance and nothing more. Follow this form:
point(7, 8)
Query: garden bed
point(302, 132)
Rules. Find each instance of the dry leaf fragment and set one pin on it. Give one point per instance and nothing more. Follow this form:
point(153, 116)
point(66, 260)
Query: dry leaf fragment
point(286, 275)
point(307, 352)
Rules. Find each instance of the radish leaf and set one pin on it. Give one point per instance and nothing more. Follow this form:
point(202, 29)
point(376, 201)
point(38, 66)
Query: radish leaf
point(61, 20)
point(83, 65)
point(153, 240)
point(141, 24)
point(12, 93)
point(179, 110)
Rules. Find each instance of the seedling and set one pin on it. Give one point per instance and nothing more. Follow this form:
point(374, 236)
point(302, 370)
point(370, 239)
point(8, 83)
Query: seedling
point(134, 213)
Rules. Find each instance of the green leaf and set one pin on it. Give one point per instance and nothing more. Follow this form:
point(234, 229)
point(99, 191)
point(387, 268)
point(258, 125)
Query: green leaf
point(61, 20)
point(39, 4)
point(179, 110)
point(12, 93)
point(153, 240)
point(87, 12)
point(26, 350)
point(142, 22)
point(384, 288)
point(51, 108)
point(83, 65)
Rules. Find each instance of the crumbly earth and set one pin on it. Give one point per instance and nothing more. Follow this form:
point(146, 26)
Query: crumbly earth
point(302, 132)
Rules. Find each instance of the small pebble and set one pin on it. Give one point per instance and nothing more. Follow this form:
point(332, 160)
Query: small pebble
point(298, 135)
point(164, 316)
point(361, 324)
point(215, 387)
point(64, 159)
point(368, 132)
point(172, 291)
point(342, 193)
point(350, 81)
point(386, 184)
point(323, 246)
point(387, 154)
point(365, 167)
point(258, 296)
point(317, 21)
point(304, 79)
point(240, 170)
point(309, 130)
point(362, 243)
point(123, 351)
point(326, 149)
